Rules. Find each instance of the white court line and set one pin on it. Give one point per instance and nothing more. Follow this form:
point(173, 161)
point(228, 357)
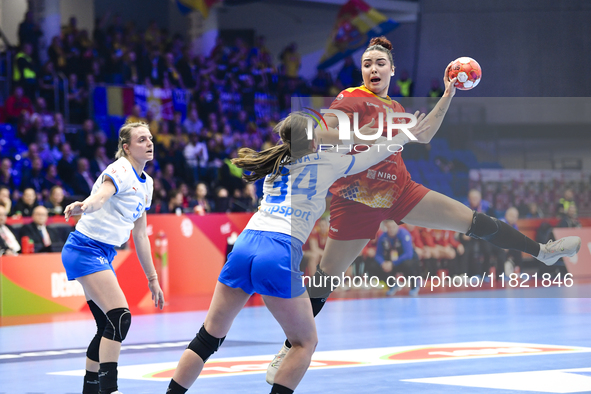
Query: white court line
point(551, 381)
point(233, 366)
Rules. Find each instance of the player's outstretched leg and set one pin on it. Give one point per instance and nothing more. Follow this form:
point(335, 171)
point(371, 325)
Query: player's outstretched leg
point(438, 211)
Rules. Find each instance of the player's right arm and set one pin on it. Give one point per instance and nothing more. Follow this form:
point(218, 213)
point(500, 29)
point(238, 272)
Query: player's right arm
point(330, 136)
point(94, 202)
point(348, 105)
point(435, 117)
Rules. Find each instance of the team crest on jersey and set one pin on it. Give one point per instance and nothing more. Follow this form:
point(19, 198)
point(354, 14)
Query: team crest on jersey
point(371, 174)
point(340, 96)
point(134, 189)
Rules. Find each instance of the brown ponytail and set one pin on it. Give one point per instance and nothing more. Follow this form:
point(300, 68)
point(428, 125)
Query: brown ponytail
point(293, 145)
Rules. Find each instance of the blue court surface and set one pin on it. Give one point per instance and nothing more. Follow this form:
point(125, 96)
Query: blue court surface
point(477, 342)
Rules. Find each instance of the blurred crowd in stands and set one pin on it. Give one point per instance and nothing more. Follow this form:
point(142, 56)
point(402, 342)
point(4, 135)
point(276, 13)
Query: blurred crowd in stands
point(192, 149)
point(535, 199)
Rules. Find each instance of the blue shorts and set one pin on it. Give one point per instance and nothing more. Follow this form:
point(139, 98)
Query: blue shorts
point(265, 262)
point(83, 256)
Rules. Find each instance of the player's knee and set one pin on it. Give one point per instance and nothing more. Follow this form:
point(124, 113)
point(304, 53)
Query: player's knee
point(483, 226)
point(92, 352)
point(307, 342)
point(118, 323)
point(204, 344)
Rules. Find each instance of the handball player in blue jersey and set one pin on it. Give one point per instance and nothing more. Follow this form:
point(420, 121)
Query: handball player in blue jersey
point(117, 205)
point(266, 257)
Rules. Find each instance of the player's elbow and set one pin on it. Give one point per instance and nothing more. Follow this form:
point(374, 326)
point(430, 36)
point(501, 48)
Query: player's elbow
point(423, 139)
point(140, 235)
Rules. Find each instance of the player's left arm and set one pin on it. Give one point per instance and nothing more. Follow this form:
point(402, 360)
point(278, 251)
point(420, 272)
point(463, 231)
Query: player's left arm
point(144, 254)
point(435, 117)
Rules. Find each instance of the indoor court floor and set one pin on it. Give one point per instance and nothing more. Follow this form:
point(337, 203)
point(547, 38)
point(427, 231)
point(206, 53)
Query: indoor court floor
point(530, 341)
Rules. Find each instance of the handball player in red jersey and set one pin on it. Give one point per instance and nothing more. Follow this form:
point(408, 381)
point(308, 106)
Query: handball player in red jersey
point(387, 192)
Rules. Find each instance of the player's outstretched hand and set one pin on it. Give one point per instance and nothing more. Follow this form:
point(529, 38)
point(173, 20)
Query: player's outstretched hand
point(157, 294)
point(368, 129)
point(450, 84)
point(75, 208)
point(421, 127)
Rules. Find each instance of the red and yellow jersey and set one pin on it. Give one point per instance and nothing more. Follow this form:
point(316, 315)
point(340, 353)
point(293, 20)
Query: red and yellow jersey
point(380, 185)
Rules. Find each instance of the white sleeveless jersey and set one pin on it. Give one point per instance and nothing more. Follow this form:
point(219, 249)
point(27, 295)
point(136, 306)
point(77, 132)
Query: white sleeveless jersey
point(113, 223)
point(294, 201)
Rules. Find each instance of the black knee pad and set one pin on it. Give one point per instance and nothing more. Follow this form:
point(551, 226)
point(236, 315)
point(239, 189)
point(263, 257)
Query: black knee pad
point(320, 286)
point(101, 322)
point(93, 349)
point(118, 323)
point(501, 234)
point(204, 345)
point(483, 226)
point(99, 316)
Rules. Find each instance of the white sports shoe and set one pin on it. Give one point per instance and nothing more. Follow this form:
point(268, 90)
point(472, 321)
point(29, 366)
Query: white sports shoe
point(554, 250)
point(274, 365)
